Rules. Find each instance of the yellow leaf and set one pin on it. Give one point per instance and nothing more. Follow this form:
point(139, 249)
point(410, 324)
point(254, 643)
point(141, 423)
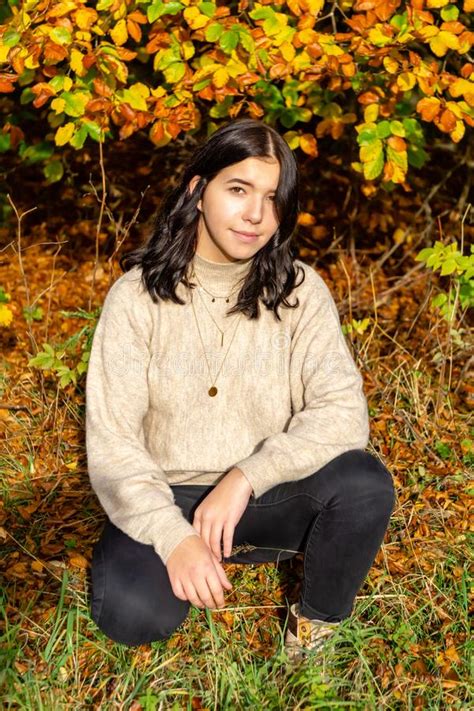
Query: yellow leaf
point(187, 49)
point(437, 46)
point(141, 89)
point(460, 87)
point(394, 172)
point(307, 36)
point(458, 132)
point(450, 39)
point(371, 112)
point(442, 42)
point(314, 7)
point(370, 151)
point(406, 81)
point(455, 108)
point(61, 8)
point(436, 3)
point(158, 92)
point(6, 315)
point(428, 32)
point(377, 37)
point(287, 51)
point(194, 18)
point(85, 18)
point(119, 33)
point(390, 64)
point(220, 77)
point(58, 105)
point(399, 235)
point(302, 61)
point(84, 36)
point(64, 133)
point(235, 67)
point(4, 53)
point(31, 62)
point(292, 138)
point(76, 62)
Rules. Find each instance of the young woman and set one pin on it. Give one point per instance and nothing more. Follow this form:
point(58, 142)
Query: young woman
point(225, 423)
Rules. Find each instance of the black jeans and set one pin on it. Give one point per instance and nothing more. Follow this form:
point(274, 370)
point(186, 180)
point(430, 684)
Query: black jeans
point(337, 517)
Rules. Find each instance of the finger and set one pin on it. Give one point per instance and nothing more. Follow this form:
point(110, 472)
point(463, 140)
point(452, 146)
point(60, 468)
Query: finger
point(215, 538)
point(215, 586)
point(178, 590)
point(205, 533)
point(222, 576)
point(193, 595)
point(204, 592)
point(228, 537)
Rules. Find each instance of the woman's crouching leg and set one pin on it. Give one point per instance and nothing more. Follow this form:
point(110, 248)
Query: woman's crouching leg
point(132, 599)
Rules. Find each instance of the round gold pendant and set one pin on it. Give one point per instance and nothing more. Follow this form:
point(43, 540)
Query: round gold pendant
point(212, 391)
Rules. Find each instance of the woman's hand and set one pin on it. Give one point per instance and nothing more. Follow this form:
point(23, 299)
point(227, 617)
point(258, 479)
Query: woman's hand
point(219, 513)
point(196, 575)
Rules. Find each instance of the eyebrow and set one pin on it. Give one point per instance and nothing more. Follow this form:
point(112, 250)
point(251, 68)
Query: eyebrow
point(244, 182)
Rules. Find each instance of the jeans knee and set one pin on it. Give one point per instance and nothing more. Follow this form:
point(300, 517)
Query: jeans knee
point(368, 476)
point(131, 621)
point(124, 627)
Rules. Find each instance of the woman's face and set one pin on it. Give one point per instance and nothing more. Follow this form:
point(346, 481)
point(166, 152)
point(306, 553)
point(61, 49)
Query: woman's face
point(239, 199)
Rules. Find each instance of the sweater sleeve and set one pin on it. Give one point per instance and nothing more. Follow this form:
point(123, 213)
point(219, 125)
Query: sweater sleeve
point(334, 417)
point(130, 485)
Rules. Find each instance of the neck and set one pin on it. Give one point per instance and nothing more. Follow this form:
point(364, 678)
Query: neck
point(220, 277)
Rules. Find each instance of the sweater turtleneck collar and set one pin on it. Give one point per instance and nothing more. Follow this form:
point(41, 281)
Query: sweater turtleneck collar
point(220, 277)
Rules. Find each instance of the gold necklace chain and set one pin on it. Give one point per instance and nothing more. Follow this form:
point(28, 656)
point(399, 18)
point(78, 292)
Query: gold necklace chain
point(212, 390)
point(210, 315)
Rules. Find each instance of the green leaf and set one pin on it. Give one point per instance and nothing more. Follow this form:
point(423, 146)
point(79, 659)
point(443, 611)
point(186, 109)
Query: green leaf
point(174, 72)
point(247, 41)
point(229, 40)
point(207, 8)
point(77, 141)
point(371, 151)
point(373, 169)
point(397, 128)
point(440, 299)
point(5, 142)
point(60, 35)
point(75, 103)
point(416, 156)
point(367, 135)
point(53, 171)
point(213, 31)
point(449, 13)
point(159, 8)
point(383, 129)
point(10, 37)
point(93, 129)
point(448, 267)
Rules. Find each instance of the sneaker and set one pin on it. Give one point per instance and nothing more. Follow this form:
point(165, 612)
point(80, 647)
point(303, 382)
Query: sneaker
point(304, 635)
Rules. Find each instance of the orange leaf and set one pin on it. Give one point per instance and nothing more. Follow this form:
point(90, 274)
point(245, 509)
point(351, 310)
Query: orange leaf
point(397, 143)
point(308, 144)
point(429, 108)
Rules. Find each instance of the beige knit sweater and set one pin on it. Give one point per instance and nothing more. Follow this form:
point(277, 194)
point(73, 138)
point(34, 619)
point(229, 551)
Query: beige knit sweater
point(290, 397)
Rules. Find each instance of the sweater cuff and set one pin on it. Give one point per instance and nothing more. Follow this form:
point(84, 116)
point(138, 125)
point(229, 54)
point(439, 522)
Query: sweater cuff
point(255, 470)
point(175, 533)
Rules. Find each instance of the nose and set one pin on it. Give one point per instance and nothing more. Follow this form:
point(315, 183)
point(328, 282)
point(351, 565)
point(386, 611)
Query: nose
point(254, 210)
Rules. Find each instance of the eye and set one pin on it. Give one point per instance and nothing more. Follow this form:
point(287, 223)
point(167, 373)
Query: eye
point(237, 187)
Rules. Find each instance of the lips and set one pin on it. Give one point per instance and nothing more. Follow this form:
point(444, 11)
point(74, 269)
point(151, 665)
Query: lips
point(245, 238)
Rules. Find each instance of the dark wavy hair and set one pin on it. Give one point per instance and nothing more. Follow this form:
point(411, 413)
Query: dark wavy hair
point(166, 254)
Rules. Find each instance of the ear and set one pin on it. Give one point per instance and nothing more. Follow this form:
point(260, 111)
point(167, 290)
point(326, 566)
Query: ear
point(191, 185)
